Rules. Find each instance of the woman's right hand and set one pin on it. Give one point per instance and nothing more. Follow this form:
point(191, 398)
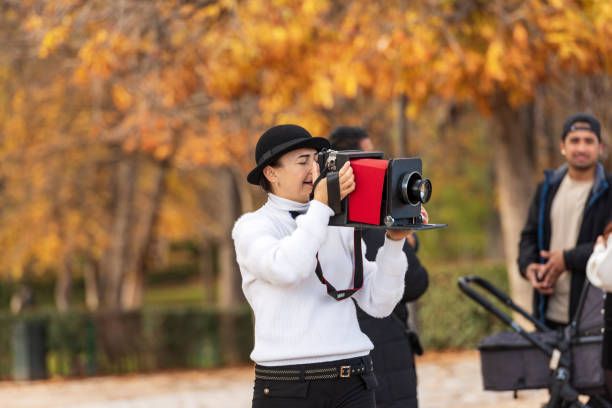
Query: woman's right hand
point(346, 178)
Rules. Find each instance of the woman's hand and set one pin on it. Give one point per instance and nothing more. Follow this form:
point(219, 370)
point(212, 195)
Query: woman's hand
point(424, 215)
point(346, 178)
point(396, 235)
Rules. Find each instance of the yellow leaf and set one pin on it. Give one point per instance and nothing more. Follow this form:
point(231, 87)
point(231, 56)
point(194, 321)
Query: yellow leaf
point(122, 98)
point(52, 40)
point(520, 35)
point(323, 92)
point(350, 85)
point(162, 152)
point(493, 65)
point(33, 23)
point(412, 110)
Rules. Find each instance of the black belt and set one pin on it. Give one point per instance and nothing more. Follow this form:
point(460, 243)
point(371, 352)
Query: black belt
point(316, 371)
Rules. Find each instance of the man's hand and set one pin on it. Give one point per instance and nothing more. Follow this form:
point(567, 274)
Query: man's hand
point(553, 268)
point(532, 273)
point(346, 178)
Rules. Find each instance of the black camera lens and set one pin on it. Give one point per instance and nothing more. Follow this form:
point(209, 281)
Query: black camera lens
point(414, 189)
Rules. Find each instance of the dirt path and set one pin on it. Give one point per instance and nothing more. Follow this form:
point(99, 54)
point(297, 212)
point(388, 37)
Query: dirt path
point(452, 379)
point(445, 380)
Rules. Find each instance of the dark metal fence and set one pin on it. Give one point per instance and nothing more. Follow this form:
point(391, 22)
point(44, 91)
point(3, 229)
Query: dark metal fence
point(87, 344)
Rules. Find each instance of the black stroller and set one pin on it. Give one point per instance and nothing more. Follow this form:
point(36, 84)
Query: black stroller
point(567, 362)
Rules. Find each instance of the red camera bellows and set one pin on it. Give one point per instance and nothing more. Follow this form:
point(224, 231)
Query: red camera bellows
point(365, 201)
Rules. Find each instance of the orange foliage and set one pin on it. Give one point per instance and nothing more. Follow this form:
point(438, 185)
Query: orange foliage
point(195, 83)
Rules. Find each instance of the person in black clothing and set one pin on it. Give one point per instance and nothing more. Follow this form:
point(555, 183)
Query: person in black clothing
point(395, 343)
point(599, 272)
point(569, 210)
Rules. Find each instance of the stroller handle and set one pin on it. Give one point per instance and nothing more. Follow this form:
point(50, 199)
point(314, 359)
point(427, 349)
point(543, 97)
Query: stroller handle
point(464, 284)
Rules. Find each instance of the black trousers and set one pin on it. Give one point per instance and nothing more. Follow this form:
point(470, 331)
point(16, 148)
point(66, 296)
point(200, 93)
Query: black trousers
point(609, 383)
point(356, 391)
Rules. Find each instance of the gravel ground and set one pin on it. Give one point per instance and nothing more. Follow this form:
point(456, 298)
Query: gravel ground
point(445, 379)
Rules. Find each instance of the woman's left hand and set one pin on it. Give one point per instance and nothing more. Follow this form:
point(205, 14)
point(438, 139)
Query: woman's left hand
point(424, 215)
point(396, 235)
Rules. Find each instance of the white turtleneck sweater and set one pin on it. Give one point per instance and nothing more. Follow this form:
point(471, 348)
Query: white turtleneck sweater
point(296, 321)
point(599, 266)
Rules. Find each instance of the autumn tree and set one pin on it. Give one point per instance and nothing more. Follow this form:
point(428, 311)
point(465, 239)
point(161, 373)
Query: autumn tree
point(157, 86)
point(115, 95)
point(496, 55)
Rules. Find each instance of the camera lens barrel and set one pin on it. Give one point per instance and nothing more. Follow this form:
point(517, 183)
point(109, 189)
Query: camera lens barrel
point(414, 189)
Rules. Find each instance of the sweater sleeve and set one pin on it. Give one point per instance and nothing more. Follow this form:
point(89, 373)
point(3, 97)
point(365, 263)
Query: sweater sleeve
point(280, 261)
point(599, 267)
point(529, 251)
point(383, 284)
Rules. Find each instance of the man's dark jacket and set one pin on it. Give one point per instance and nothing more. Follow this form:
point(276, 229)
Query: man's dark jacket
point(536, 233)
point(393, 352)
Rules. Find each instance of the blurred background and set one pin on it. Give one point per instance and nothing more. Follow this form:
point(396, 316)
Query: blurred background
point(127, 128)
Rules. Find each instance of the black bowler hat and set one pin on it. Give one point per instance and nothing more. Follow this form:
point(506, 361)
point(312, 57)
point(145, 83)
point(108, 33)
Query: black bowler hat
point(589, 122)
point(279, 140)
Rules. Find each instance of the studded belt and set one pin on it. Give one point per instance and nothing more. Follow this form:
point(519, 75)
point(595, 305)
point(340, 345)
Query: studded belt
point(316, 371)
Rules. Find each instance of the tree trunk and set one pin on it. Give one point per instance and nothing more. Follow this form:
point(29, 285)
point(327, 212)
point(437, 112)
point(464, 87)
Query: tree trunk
point(115, 260)
point(230, 290)
point(230, 294)
point(207, 264)
point(514, 167)
point(92, 288)
point(63, 286)
point(243, 190)
point(401, 144)
point(133, 287)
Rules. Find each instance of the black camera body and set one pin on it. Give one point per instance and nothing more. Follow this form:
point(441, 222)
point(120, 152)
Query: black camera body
point(388, 193)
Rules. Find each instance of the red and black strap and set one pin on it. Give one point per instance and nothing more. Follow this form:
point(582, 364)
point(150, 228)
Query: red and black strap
point(333, 190)
point(357, 272)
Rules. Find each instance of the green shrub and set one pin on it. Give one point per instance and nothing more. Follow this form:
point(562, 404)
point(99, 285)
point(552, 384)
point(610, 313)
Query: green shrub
point(184, 337)
point(6, 360)
point(6, 291)
point(450, 319)
point(172, 274)
point(82, 343)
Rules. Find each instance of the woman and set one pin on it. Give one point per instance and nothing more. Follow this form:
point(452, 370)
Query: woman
point(599, 272)
point(309, 350)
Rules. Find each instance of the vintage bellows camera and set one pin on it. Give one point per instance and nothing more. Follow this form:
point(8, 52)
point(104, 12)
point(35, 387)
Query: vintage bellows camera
point(388, 193)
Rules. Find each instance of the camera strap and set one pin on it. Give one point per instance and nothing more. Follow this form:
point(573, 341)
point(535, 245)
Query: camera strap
point(357, 272)
point(333, 190)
